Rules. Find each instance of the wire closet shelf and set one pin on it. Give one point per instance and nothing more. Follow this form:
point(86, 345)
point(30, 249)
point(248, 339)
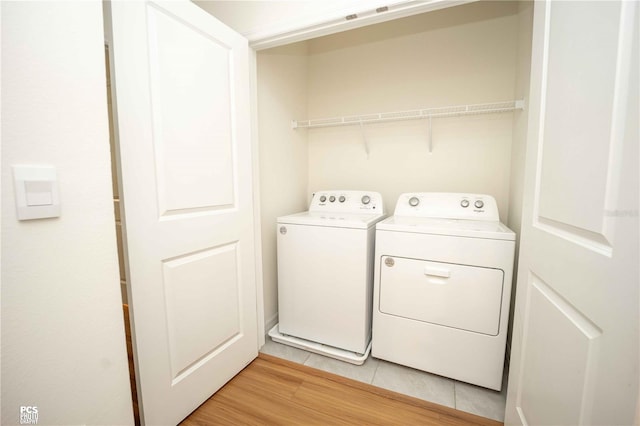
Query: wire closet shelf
point(425, 113)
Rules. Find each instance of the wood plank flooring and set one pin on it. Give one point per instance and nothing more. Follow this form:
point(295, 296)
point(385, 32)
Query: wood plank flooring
point(273, 391)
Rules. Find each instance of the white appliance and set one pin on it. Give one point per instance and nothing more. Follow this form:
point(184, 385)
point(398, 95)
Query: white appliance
point(325, 275)
point(442, 289)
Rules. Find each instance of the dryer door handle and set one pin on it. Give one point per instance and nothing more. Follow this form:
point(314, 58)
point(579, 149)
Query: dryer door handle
point(437, 272)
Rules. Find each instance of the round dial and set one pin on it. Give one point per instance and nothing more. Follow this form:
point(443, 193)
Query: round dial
point(479, 204)
point(323, 198)
point(365, 199)
point(342, 199)
point(332, 198)
point(414, 201)
point(464, 203)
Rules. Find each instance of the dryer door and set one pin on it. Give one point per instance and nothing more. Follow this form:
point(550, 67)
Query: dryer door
point(446, 294)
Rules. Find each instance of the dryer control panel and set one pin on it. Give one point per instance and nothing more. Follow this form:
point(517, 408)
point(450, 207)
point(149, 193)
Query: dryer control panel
point(347, 202)
point(448, 205)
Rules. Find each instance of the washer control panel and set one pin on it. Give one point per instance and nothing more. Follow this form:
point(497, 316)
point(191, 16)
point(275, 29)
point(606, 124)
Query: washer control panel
point(347, 202)
point(448, 205)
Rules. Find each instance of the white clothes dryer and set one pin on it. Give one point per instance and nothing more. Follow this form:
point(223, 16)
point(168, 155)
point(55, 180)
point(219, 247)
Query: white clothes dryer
point(442, 286)
point(325, 274)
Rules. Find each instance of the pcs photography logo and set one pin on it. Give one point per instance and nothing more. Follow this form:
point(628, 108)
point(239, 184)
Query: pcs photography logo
point(28, 415)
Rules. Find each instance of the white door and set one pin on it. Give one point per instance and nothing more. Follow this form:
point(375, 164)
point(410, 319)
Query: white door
point(575, 341)
point(182, 91)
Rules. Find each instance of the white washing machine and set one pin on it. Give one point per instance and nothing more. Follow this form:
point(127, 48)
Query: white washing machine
point(442, 287)
point(325, 274)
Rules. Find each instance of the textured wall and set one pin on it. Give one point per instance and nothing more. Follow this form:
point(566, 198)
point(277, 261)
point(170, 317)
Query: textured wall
point(282, 95)
point(461, 55)
point(63, 342)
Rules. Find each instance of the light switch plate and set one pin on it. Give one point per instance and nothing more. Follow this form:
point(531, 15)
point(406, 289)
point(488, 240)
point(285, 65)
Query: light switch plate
point(36, 191)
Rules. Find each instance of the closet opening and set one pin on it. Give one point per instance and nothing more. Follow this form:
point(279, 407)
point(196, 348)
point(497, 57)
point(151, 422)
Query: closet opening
point(119, 236)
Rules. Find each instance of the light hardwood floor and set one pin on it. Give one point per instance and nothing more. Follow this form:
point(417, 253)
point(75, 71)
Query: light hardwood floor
point(273, 391)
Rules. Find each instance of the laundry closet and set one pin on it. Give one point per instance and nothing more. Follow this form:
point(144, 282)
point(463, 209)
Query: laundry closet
point(575, 208)
point(467, 59)
point(470, 54)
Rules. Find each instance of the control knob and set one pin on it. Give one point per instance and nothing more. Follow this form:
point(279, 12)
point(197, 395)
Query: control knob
point(323, 198)
point(342, 199)
point(414, 201)
point(332, 198)
point(464, 203)
point(479, 204)
point(365, 199)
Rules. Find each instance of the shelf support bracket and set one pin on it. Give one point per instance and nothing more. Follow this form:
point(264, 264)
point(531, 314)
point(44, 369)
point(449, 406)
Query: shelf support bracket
point(364, 139)
point(429, 135)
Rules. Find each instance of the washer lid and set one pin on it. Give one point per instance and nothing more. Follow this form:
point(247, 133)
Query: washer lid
point(336, 220)
point(453, 227)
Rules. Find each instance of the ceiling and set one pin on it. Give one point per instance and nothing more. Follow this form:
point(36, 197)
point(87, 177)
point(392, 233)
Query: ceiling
point(272, 23)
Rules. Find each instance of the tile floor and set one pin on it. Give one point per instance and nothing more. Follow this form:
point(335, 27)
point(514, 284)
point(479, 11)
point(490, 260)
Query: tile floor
point(438, 389)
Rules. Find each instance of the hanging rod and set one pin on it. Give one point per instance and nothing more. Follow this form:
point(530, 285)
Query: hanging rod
point(450, 111)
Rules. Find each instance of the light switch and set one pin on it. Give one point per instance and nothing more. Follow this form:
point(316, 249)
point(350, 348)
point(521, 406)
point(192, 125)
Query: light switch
point(36, 191)
point(39, 192)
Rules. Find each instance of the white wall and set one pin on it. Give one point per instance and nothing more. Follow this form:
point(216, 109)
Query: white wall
point(63, 341)
point(282, 95)
point(520, 126)
point(518, 149)
point(461, 55)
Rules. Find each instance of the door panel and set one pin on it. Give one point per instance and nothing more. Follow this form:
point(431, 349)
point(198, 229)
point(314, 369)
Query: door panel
point(182, 86)
point(552, 322)
point(574, 357)
point(581, 77)
point(201, 291)
point(191, 105)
